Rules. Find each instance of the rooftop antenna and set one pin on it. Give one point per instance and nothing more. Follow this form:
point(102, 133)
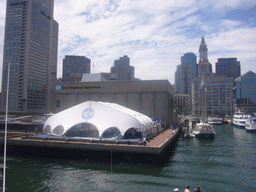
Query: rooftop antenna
point(5, 132)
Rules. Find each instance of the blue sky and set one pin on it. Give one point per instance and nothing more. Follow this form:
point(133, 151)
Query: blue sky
point(154, 34)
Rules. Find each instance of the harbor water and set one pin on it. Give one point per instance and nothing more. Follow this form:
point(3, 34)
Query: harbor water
point(227, 163)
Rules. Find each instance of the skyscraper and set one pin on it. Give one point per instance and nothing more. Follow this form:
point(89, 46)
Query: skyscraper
point(74, 67)
point(203, 65)
point(30, 46)
point(189, 59)
point(229, 67)
point(183, 76)
point(122, 69)
point(185, 73)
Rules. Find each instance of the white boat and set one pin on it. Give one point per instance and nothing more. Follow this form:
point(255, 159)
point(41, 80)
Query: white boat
point(203, 130)
point(240, 118)
point(214, 120)
point(250, 124)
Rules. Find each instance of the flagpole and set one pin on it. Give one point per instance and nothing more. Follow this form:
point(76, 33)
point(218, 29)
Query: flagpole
point(5, 132)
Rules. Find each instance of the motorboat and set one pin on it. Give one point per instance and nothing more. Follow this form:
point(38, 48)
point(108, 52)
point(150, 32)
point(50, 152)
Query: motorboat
point(226, 119)
point(214, 120)
point(250, 124)
point(204, 131)
point(239, 118)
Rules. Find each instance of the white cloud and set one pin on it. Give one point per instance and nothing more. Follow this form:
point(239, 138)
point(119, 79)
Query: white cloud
point(154, 35)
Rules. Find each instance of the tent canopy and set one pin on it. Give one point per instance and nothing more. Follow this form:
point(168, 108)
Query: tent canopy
point(99, 120)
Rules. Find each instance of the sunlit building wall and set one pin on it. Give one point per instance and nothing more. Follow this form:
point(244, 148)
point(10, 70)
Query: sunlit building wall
point(30, 46)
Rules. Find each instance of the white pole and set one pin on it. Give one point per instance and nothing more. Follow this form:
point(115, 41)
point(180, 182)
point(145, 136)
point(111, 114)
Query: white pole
point(5, 132)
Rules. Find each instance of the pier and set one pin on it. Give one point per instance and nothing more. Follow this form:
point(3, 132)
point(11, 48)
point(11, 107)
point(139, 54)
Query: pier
point(156, 145)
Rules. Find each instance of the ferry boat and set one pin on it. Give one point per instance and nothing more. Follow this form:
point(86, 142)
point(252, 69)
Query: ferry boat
point(250, 124)
point(214, 120)
point(240, 118)
point(203, 130)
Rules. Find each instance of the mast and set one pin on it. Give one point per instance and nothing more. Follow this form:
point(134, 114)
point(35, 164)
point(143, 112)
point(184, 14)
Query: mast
point(203, 100)
point(5, 132)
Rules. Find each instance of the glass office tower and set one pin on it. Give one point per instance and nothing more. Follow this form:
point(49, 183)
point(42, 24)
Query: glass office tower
point(30, 46)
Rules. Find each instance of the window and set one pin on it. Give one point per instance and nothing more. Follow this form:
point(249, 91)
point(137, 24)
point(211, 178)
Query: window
point(58, 103)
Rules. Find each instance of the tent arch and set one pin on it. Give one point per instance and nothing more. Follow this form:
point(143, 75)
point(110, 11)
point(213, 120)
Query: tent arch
point(82, 130)
point(132, 133)
point(58, 131)
point(111, 132)
point(47, 130)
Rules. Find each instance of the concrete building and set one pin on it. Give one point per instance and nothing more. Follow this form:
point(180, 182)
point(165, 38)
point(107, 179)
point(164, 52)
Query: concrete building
point(245, 93)
point(75, 66)
point(219, 95)
point(93, 77)
point(30, 46)
point(229, 67)
point(152, 98)
point(203, 65)
point(122, 69)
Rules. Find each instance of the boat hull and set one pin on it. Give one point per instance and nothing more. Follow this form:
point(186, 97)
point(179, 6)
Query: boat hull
point(204, 135)
point(204, 131)
point(251, 125)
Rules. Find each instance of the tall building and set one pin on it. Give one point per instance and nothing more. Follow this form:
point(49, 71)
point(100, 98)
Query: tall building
point(74, 67)
point(229, 67)
point(183, 76)
point(30, 46)
point(245, 93)
point(219, 95)
point(189, 59)
point(122, 69)
point(203, 65)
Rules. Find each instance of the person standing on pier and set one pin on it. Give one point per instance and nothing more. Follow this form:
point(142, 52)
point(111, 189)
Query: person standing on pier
point(36, 130)
point(187, 189)
point(198, 189)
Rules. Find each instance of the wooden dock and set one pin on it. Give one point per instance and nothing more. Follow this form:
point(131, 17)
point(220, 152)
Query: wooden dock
point(156, 145)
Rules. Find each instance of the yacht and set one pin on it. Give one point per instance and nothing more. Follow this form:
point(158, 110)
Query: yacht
point(240, 118)
point(250, 124)
point(214, 120)
point(204, 131)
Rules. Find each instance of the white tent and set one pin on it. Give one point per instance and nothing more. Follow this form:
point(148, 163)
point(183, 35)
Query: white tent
point(99, 120)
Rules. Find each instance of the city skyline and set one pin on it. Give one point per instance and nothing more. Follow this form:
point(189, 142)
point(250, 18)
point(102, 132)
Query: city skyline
point(153, 35)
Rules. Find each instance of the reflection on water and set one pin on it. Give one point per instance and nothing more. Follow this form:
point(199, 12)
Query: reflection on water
point(226, 163)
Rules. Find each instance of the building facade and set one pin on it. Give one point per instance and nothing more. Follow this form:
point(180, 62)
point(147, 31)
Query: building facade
point(183, 103)
point(229, 67)
point(245, 93)
point(218, 97)
point(122, 69)
point(74, 67)
point(189, 59)
point(204, 66)
point(30, 46)
point(183, 76)
point(152, 98)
